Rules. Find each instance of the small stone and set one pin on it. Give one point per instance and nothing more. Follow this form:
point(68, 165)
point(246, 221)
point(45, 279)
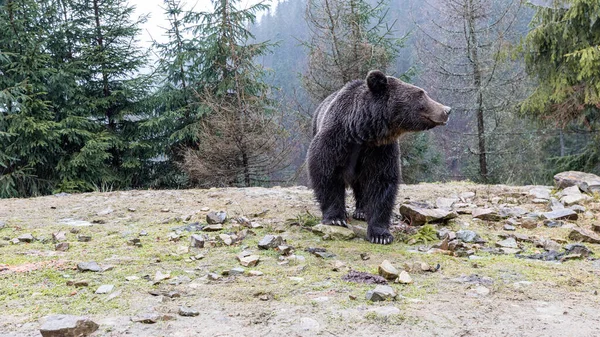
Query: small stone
point(337, 265)
point(487, 214)
point(284, 250)
point(509, 251)
point(213, 276)
point(237, 271)
point(59, 237)
point(255, 225)
point(131, 209)
point(574, 199)
point(270, 241)
point(583, 235)
point(105, 289)
point(26, 238)
point(508, 243)
point(181, 250)
point(364, 256)
point(78, 284)
point(578, 249)
point(561, 214)
point(540, 193)
point(197, 241)
point(213, 228)
point(467, 195)
point(62, 247)
point(226, 238)
point(418, 215)
point(255, 273)
point(84, 238)
point(248, 260)
point(67, 326)
point(148, 318)
point(381, 293)
point(15, 241)
point(333, 232)
point(529, 223)
point(134, 242)
point(404, 278)
point(387, 270)
point(466, 235)
point(509, 228)
point(143, 233)
point(159, 276)
point(88, 266)
point(188, 312)
point(214, 218)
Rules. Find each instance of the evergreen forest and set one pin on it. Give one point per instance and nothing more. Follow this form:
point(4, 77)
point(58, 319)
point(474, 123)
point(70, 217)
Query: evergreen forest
point(226, 98)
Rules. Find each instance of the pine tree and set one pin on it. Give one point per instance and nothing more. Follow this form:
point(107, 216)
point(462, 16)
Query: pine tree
point(562, 53)
point(241, 141)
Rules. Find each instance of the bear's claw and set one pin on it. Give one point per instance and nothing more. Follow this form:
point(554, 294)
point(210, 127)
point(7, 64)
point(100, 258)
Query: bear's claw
point(382, 240)
point(335, 222)
point(359, 215)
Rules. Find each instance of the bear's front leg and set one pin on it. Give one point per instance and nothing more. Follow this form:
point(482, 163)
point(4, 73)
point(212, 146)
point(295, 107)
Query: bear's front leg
point(379, 183)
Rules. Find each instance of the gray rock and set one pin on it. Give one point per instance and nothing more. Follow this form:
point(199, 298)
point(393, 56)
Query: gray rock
point(15, 241)
point(387, 270)
point(487, 214)
point(147, 318)
point(197, 241)
point(578, 209)
point(237, 271)
point(270, 242)
point(226, 238)
point(467, 195)
point(333, 232)
point(404, 278)
point(59, 236)
point(583, 235)
point(570, 200)
point(213, 228)
point(26, 238)
point(561, 214)
point(578, 249)
point(418, 215)
point(62, 246)
point(105, 289)
point(466, 235)
point(248, 260)
point(88, 266)
point(160, 276)
point(84, 238)
point(445, 203)
point(75, 223)
point(381, 293)
point(587, 182)
point(553, 223)
point(67, 326)
point(508, 243)
point(214, 218)
point(509, 228)
point(188, 312)
point(540, 193)
point(512, 212)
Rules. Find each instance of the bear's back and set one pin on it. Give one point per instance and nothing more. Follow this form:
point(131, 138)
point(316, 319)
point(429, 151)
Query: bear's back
point(337, 101)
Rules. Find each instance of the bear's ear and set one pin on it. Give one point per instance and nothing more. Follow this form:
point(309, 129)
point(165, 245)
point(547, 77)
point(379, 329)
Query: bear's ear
point(377, 81)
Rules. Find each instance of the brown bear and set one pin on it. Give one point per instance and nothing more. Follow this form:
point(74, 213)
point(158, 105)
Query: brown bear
point(355, 132)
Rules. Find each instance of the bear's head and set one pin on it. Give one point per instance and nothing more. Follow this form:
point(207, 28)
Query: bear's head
point(408, 107)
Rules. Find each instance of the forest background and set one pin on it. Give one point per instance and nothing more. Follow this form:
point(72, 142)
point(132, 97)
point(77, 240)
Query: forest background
point(224, 97)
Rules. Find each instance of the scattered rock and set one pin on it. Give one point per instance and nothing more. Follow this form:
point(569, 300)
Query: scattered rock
point(509, 228)
point(578, 209)
point(578, 249)
point(529, 223)
point(387, 270)
point(67, 326)
point(255, 273)
point(26, 238)
point(88, 266)
point(381, 293)
point(445, 203)
point(236, 271)
point(466, 235)
point(62, 246)
point(508, 243)
point(512, 212)
point(226, 238)
point(135, 242)
point(105, 289)
point(284, 250)
point(560, 214)
point(59, 237)
point(404, 278)
point(467, 195)
point(487, 214)
point(540, 193)
point(84, 238)
point(573, 199)
point(587, 182)
point(147, 318)
point(362, 277)
point(583, 235)
point(419, 215)
point(188, 312)
point(333, 232)
point(337, 265)
point(78, 283)
point(159, 276)
point(248, 259)
point(214, 218)
point(270, 242)
point(197, 241)
point(213, 228)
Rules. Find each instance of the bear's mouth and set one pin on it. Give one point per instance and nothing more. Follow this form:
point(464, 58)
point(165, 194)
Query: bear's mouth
point(435, 122)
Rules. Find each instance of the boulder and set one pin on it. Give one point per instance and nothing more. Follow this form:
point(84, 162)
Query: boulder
point(420, 215)
point(587, 182)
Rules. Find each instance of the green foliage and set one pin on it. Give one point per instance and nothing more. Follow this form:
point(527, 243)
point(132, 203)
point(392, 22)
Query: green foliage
point(306, 219)
point(420, 159)
point(562, 53)
point(424, 235)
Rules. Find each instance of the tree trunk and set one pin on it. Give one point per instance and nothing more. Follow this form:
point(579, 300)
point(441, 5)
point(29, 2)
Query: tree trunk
point(474, 59)
point(105, 87)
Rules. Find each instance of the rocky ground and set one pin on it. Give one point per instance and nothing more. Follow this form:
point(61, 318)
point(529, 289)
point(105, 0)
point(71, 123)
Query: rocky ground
point(468, 260)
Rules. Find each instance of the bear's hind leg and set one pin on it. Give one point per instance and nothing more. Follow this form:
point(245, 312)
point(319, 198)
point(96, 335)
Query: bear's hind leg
point(359, 211)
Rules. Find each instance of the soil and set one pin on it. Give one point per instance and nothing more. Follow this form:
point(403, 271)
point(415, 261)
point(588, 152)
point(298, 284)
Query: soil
point(486, 295)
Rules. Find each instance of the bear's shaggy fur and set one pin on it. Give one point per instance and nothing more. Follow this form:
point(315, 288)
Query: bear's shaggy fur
point(355, 133)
